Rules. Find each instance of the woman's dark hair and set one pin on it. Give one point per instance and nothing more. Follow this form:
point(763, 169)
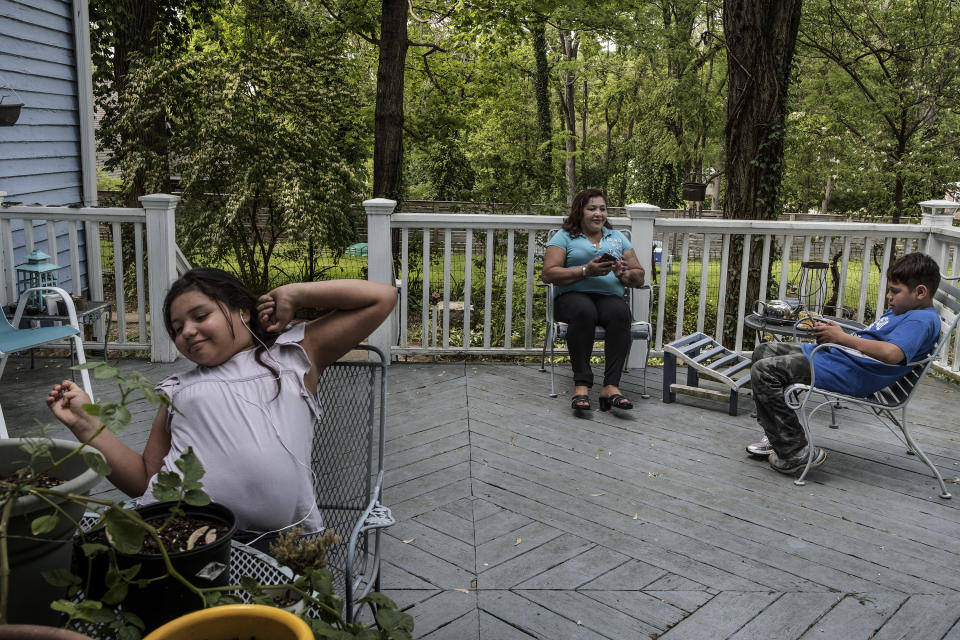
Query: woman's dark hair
point(572, 224)
point(229, 294)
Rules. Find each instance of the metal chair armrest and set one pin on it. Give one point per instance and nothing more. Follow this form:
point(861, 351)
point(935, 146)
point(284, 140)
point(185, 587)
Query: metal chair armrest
point(68, 301)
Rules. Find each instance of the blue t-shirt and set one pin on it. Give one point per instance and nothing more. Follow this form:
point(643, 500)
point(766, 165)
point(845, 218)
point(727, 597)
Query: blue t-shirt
point(580, 251)
point(915, 332)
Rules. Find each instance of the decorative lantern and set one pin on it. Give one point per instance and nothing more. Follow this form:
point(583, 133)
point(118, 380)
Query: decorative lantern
point(37, 271)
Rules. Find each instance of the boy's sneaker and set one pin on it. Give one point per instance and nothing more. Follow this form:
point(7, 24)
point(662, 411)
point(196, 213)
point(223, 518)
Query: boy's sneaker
point(760, 449)
point(798, 460)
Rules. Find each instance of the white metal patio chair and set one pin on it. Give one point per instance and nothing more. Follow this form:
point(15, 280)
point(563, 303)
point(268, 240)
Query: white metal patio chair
point(13, 339)
point(557, 331)
point(347, 464)
point(888, 404)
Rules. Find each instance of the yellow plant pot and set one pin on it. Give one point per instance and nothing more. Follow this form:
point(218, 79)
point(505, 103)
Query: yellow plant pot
point(235, 621)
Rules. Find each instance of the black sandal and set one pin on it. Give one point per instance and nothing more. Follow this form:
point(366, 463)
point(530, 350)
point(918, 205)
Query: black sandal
point(616, 401)
point(580, 403)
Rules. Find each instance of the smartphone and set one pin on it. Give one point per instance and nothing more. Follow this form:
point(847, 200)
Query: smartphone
point(606, 257)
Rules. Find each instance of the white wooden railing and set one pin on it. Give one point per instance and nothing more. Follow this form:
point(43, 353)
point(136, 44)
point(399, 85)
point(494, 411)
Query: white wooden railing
point(152, 259)
point(502, 304)
point(497, 288)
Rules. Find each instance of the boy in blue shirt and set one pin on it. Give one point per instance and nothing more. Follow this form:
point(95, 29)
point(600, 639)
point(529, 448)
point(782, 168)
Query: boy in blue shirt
point(906, 332)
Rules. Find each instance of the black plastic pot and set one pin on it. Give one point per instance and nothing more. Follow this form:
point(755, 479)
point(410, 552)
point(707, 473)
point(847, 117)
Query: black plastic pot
point(29, 554)
point(694, 191)
point(165, 599)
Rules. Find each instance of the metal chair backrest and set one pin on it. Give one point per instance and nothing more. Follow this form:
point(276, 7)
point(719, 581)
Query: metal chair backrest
point(347, 465)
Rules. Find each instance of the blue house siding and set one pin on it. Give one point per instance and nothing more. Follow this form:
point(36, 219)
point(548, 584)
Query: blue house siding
point(40, 156)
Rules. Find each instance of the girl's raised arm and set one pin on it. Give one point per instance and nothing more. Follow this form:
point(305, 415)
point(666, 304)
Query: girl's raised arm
point(357, 307)
point(131, 471)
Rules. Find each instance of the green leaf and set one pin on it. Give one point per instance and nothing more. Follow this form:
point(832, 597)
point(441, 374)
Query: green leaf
point(196, 497)
point(126, 535)
point(378, 599)
point(251, 585)
point(192, 470)
point(115, 594)
point(114, 416)
point(91, 549)
point(96, 462)
point(391, 620)
point(92, 409)
point(60, 577)
point(64, 606)
point(44, 524)
point(128, 633)
point(105, 371)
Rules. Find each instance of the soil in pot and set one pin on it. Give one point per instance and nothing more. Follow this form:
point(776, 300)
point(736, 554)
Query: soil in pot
point(206, 563)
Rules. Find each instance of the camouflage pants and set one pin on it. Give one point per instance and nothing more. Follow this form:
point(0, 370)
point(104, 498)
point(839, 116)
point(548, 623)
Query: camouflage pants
point(777, 365)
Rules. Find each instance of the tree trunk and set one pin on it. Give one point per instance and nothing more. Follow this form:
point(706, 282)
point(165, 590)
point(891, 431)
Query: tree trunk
point(827, 192)
point(569, 46)
point(388, 114)
point(541, 89)
point(760, 37)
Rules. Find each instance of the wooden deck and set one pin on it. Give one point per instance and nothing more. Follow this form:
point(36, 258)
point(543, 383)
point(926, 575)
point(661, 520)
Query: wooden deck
point(518, 520)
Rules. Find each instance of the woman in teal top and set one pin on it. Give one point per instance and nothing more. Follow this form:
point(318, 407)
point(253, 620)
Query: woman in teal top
point(590, 263)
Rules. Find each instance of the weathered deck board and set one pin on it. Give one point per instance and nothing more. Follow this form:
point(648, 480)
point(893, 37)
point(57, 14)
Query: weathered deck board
point(644, 524)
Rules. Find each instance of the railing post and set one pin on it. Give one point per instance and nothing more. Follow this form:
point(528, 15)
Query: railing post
point(642, 216)
point(161, 268)
point(936, 215)
point(380, 264)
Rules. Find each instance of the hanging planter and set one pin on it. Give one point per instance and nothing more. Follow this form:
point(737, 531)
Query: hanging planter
point(694, 191)
point(10, 105)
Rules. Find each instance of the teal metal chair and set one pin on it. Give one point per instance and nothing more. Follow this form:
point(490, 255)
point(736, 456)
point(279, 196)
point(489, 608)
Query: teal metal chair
point(13, 339)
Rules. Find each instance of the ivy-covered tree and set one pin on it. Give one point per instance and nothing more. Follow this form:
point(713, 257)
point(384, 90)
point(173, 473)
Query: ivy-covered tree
point(126, 36)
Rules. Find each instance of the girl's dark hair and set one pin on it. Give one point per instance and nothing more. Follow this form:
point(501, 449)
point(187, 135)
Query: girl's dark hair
point(572, 224)
point(229, 294)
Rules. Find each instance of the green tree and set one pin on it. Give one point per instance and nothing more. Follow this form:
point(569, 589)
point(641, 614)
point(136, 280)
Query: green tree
point(892, 75)
point(269, 137)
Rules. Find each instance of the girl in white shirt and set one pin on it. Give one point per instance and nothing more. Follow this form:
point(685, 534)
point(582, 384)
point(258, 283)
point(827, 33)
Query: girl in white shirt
point(249, 405)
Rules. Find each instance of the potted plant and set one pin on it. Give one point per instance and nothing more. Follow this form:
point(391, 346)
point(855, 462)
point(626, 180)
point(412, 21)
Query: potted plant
point(39, 479)
point(157, 559)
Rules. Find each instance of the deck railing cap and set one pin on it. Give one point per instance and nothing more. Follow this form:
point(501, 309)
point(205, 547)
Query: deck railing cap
point(642, 210)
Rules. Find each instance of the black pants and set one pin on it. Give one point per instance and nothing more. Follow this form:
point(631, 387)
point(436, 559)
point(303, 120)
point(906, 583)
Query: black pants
point(583, 312)
point(777, 365)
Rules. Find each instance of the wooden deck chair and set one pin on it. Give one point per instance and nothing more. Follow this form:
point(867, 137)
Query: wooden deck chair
point(888, 404)
point(556, 331)
point(13, 339)
point(347, 464)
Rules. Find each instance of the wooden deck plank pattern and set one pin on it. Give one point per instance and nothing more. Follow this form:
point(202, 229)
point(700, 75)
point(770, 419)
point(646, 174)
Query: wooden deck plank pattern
point(644, 524)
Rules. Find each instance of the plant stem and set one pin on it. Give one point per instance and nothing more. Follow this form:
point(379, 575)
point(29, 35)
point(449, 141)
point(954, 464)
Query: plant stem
point(4, 560)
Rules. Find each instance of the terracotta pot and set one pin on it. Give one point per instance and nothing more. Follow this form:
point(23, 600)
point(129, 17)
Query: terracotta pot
point(38, 632)
point(235, 621)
